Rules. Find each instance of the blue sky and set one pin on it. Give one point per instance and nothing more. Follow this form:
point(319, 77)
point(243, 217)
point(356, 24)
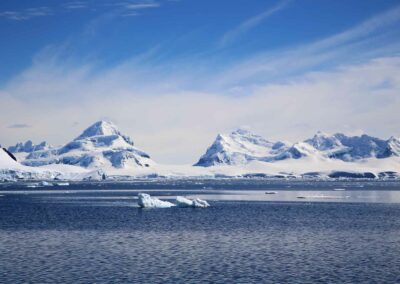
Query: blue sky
point(172, 63)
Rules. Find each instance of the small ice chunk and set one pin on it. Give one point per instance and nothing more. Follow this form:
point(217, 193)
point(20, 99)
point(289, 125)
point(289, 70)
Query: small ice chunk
point(62, 183)
point(146, 201)
point(195, 203)
point(45, 183)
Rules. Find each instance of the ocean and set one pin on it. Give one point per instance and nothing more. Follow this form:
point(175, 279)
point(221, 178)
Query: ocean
point(255, 231)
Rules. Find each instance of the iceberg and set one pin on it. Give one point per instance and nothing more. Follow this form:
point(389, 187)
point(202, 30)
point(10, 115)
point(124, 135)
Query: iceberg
point(195, 203)
point(146, 201)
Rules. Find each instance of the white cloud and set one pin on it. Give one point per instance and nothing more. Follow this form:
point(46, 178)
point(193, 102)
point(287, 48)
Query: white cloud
point(177, 127)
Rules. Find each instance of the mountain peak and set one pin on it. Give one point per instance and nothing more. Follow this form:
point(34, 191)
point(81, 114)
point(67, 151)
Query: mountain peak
point(28, 147)
point(99, 128)
point(238, 147)
point(241, 131)
point(322, 141)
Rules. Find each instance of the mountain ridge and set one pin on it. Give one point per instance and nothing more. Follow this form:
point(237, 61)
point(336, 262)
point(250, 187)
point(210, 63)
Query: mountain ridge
point(320, 146)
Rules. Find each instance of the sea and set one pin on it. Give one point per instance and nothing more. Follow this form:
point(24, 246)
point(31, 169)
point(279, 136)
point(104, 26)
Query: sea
point(255, 231)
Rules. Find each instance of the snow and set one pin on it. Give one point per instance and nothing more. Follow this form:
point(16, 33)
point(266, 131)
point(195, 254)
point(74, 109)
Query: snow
point(195, 203)
point(146, 201)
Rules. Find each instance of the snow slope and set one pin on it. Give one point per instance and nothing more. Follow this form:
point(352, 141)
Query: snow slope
point(12, 170)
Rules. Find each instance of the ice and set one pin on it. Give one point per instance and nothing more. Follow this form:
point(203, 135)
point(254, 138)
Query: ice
point(195, 203)
point(146, 201)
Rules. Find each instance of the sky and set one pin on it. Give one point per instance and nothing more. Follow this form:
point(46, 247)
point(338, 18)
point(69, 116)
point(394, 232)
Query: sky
point(172, 74)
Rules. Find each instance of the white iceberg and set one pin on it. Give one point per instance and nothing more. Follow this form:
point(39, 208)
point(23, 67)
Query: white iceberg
point(195, 203)
point(146, 201)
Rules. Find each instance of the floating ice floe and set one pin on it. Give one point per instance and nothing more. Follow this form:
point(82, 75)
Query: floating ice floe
point(339, 189)
point(146, 201)
point(62, 183)
point(195, 203)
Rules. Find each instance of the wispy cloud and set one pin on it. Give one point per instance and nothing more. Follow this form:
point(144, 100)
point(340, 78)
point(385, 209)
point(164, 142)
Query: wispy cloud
point(126, 8)
point(75, 5)
point(131, 9)
point(232, 35)
point(373, 37)
point(140, 6)
point(19, 125)
point(26, 14)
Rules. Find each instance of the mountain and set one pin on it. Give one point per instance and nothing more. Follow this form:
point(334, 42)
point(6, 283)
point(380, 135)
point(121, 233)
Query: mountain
point(392, 147)
point(361, 147)
point(328, 145)
point(101, 145)
point(28, 147)
point(353, 148)
point(239, 147)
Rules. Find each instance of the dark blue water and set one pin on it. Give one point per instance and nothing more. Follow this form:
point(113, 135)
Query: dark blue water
point(49, 240)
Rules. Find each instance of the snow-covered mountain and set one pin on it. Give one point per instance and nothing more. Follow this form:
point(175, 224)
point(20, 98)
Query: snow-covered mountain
point(28, 147)
point(392, 147)
point(101, 146)
point(239, 147)
point(22, 150)
point(353, 148)
point(102, 151)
